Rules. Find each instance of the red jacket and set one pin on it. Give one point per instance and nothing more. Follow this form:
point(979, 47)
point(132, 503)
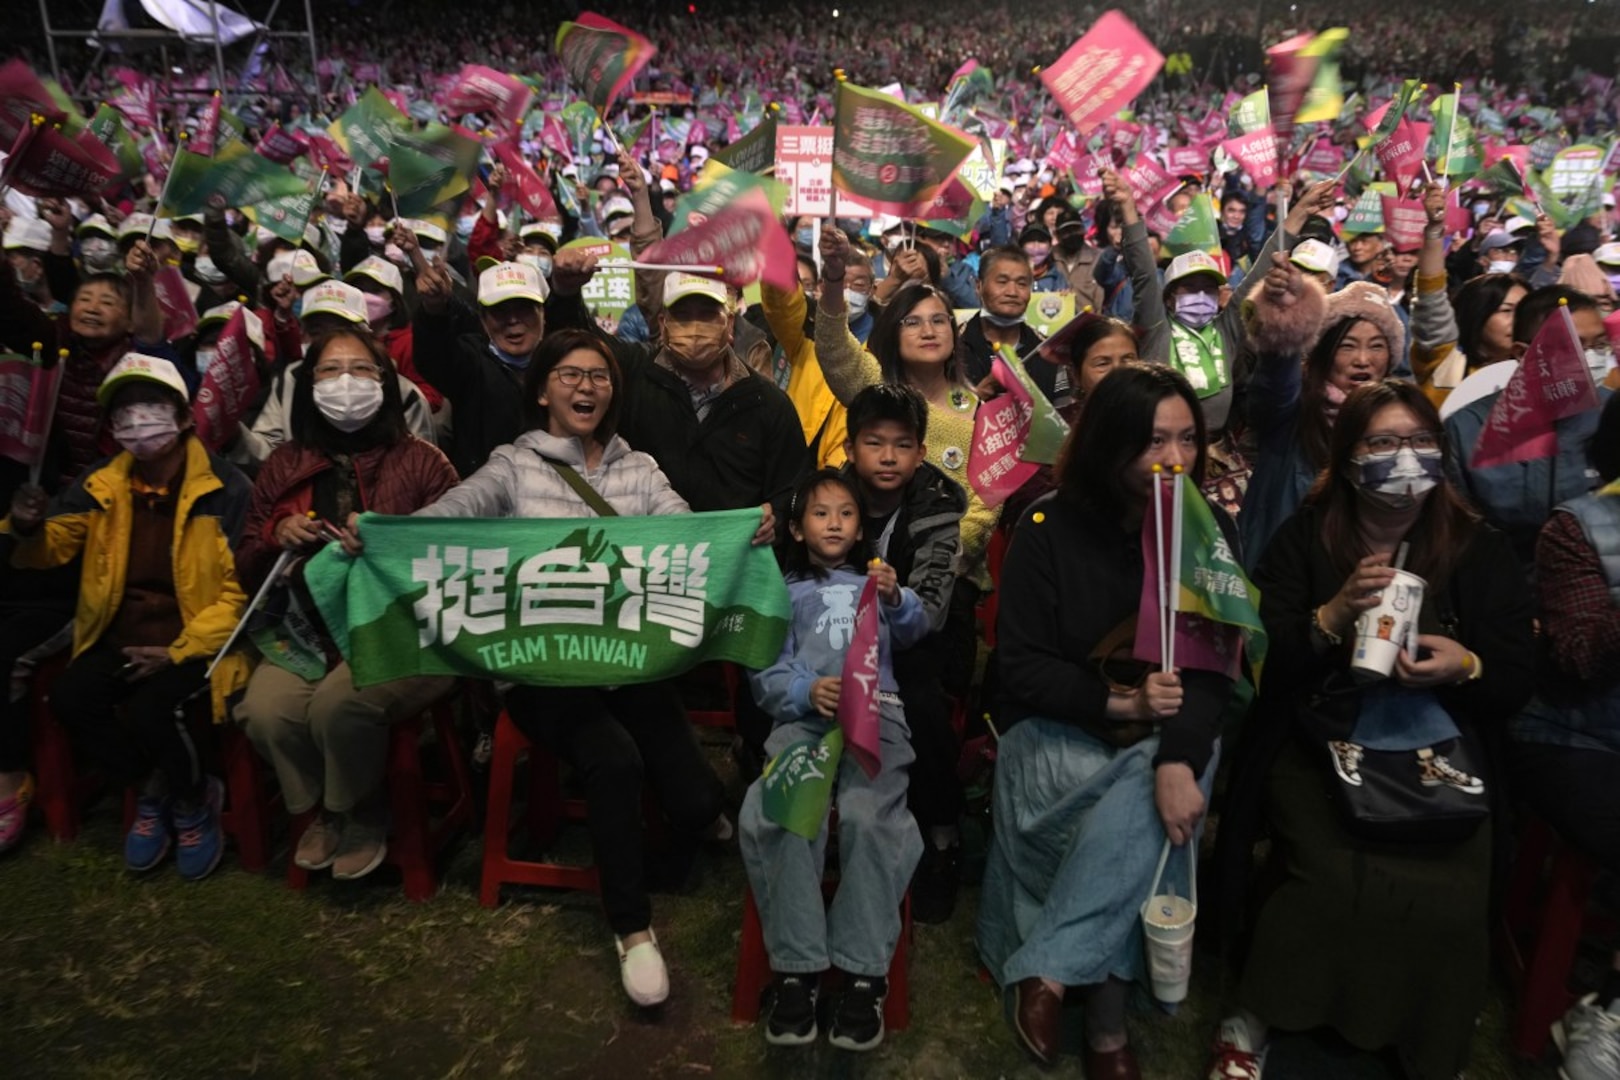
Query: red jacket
point(397, 479)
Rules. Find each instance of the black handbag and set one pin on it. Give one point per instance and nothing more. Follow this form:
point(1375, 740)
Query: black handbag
point(1435, 795)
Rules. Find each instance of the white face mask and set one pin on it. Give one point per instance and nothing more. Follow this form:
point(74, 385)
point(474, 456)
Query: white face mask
point(1500, 266)
point(1600, 361)
point(1400, 480)
point(541, 263)
point(99, 253)
point(348, 402)
point(856, 302)
point(374, 235)
point(147, 431)
point(205, 356)
point(206, 271)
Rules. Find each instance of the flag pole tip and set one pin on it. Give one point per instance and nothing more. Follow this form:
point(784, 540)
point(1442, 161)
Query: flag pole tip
point(1563, 301)
point(38, 345)
point(1157, 469)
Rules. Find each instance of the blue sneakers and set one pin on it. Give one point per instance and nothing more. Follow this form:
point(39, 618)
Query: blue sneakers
point(148, 839)
point(200, 842)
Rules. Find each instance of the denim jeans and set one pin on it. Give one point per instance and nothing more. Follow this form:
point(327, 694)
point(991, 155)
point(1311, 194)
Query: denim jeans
point(878, 846)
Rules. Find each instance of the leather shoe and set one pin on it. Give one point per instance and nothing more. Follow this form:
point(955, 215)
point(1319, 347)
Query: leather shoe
point(1037, 1019)
point(1111, 1064)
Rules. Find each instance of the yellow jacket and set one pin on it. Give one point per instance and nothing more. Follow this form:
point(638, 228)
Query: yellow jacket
point(95, 517)
point(819, 410)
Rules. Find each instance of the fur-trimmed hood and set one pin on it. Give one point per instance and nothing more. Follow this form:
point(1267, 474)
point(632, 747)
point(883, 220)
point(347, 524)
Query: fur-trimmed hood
point(1286, 327)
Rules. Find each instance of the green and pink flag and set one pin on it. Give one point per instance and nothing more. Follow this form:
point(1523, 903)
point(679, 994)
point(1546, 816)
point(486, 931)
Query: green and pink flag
point(796, 786)
point(1016, 432)
point(46, 161)
point(552, 602)
point(1102, 72)
point(206, 137)
point(889, 155)
point(27, 402)
point(601, 57)
point(731, 221)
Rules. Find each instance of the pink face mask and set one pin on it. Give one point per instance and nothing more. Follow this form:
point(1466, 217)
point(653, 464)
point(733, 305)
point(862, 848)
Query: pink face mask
point(378, 308)
point(147, 431)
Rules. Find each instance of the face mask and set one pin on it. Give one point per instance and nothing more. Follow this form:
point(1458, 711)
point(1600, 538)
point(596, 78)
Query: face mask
point(375, 234)
point(348, 402)
point(805, 237)
point(1614, 281)
point(697, 344)
point(1197, 309)
point(1340, 213)
point(1481, 209)
point(1397, 482)
point(187, 245)
point(99, 254)
point(464, 225)
point(29, 282)
point(856, 302)
point(337, 226)
point(541, 263)
point(378, 308)
point(205, 356)
point(891, 244)
point(1599, 361)
point(147, 431)
point(1500, 266)
point(1038, 253)
point(206, 272)
point(1004, 322)
point(1072, 242)
point(394, 255)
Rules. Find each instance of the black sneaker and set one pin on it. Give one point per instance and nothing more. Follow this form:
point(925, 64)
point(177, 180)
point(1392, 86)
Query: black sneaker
point(858, 1023)
point(792, 1021)
point(934, 885)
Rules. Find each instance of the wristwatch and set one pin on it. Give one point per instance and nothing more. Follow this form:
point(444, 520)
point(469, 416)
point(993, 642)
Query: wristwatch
point(1316, 624)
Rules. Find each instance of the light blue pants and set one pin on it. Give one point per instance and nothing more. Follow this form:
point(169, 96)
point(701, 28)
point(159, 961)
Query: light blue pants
point(1075, 842)
point(878, 848)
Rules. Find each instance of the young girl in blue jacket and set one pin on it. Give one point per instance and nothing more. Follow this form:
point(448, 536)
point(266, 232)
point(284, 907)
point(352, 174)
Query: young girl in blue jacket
point(878, 841)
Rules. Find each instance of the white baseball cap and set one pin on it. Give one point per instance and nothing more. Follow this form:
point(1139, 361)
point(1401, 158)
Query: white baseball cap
point(333, 297)
point(511, 281)
point(1607, 254)
point(222, 313)
point(1190, 263)
point(379, 270)
point(698, 151)
point(1515, 223)
point(97, 223)
point(1315, 256)
point(138, 367)
point(300, 265)
point(134, 225)
point(425, 230)
point(27, 234)
point(679, 286)
point(534, 230)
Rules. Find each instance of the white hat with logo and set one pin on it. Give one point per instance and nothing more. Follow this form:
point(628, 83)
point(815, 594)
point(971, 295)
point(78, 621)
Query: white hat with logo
point(511, 281)
point(332, 297)
point(138, 367)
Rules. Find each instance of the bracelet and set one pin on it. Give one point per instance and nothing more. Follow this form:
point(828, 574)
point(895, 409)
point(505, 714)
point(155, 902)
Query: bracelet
point(1434, 232)
point(1473, 669)
point(1316, 624)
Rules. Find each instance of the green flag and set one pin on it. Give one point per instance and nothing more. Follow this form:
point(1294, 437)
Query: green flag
point(109, 125)
point(1047, 430)
point(579, 120)
point(1367, 215)
point(243, 177)
point(1503, 178)
point(1213, 584)
point(797, 784)
point(889, 154)
point(1324, 99)
point(1250, 114)
point(601, 57)
point(286, 215)
point(422, 168)
point(552, 602)
point(1452, 143)
point(754, 152)
point(1195, 229)
point(1395, 111)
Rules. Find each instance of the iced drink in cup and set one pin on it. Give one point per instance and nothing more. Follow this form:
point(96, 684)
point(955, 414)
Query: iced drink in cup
point(1382, 632)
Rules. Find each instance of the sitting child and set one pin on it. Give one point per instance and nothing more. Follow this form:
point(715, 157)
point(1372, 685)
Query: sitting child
point(878, 840)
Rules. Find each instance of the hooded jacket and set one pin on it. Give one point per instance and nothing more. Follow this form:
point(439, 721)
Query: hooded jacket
point(926, 538)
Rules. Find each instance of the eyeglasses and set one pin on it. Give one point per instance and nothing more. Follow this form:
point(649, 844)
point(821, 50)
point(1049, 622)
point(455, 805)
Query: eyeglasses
point(917, 322)
point(362, 370)
point(1384, 445)
point(573, 376)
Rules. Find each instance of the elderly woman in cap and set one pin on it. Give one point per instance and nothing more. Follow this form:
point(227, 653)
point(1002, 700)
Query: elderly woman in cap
point(389, 317)
point(143, 633)
point(350, 452)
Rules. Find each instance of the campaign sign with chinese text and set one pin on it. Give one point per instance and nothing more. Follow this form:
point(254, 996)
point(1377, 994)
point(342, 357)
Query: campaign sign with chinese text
point(27, 399)
point(229, 385)
point(888, 154)
point(804, 164)
point(575, 602)
point(611, 290)
point(796, 785)
point(1102, 72)
point(1551, 383)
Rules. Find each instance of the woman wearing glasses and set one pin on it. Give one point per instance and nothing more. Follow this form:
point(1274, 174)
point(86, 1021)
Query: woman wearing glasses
point(571, 464)
point(1382, 939)
point(350, 452)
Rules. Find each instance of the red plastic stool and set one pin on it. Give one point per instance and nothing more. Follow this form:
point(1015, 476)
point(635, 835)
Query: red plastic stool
point(415, 839)
point(546, 813)
point(754, 967)
point(59, 791)
point(1542, 920)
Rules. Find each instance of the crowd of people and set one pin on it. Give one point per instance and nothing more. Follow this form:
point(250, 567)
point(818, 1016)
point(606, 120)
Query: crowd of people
point(1322, 380)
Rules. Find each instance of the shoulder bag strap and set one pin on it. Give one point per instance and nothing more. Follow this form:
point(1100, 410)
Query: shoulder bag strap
point(592, 498)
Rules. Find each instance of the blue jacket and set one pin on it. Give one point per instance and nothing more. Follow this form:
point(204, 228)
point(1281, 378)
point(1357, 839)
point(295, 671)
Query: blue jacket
point(820, 634)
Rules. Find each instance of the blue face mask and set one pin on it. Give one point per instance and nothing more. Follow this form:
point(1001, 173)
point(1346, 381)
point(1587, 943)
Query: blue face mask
point(805, 237)
point(464, 225)
point(1197, 309)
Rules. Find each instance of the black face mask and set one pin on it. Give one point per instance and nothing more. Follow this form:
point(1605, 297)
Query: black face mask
point(1071, 243)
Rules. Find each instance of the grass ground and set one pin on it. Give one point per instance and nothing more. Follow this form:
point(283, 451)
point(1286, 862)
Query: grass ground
point(113, 976)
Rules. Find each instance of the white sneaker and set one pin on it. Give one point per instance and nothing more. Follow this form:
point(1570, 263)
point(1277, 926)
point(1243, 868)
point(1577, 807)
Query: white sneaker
point(1588, 1037)
point(641, 969)
point(1234, 1057)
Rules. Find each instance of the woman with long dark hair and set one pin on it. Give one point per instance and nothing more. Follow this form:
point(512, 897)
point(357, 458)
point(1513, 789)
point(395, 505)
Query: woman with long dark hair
point(1101, 758)
point(1382, 938)
point(350, 452)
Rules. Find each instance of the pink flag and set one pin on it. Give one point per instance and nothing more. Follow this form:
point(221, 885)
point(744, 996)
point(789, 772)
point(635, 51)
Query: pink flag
point(996, 468)
point(521, 180)
point(1551, 382)
point(481, 89)
point(179, 313)
point(1257, 152)
point(744, 238)
point(858, 707)
point(281, 146)
point(326, 153)
point(1148, 181)
point(229, 385)
point(1401, 155)
point(1323, 157)
point(1201, 644)
point(49, 163)
point(207, 129)
point(138, 98)
point(1102, 72)
point(1064, 153)
point(27, 398)
point(21, 95)
point(1458, 219)
point(1404, 221)
point(1188, 159)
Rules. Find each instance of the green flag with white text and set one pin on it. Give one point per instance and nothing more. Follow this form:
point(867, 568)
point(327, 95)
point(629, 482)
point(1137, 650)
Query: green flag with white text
point(243, 177)
point(889, 154)
point(796, 786)
point(571, 602)
point(1195, 229)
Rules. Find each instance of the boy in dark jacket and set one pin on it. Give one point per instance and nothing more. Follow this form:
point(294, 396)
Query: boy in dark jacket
point(913, 522)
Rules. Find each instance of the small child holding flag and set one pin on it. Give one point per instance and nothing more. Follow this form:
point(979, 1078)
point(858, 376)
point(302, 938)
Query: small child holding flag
point(834, 681)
